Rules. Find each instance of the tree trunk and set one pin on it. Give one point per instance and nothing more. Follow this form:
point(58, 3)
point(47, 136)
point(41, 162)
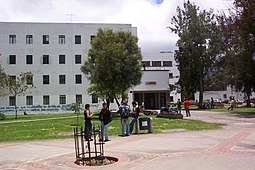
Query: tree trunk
point(108, 101)
point(201, 93)
point(16, 112)
point(117, 101)
point(248, 101)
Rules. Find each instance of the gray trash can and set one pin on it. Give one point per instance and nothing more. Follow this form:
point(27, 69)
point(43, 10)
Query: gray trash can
point(145, 123)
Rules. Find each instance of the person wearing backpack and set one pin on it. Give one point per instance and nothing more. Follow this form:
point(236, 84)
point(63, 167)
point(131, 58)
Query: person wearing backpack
point(134, 114)
point(105, 117)
point(124, 114)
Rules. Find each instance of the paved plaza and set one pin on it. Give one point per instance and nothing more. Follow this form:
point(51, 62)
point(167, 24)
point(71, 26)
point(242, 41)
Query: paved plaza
point(231, 148)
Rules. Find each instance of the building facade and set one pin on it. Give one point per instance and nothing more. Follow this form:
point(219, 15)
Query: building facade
point(54, 53)
point(160, 74)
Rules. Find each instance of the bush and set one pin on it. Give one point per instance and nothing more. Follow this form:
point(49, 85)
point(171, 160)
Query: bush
point(2, 116)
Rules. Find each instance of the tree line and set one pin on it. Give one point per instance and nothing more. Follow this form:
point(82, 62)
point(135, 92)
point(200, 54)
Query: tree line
point(215, 50)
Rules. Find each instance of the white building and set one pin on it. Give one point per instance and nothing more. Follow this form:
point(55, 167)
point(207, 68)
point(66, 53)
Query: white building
point(54, 53)
point(159, 74)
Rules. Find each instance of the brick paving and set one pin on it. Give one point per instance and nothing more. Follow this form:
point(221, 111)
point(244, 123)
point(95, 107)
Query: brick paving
point(230, 148)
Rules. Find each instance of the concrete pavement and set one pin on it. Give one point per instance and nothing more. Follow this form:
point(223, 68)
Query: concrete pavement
point(231, 148)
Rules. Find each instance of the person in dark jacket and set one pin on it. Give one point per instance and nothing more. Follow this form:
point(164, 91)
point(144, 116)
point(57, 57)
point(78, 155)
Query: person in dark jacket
point(105, 118)
point(134, 114)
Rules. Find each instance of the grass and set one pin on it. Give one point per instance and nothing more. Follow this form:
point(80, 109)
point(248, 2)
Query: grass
point(58, 126)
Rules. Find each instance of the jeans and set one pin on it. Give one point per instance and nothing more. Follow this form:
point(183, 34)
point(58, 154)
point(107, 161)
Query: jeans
point(124, 122)
point(132, 123)
point(187, 112)
point(104, 128)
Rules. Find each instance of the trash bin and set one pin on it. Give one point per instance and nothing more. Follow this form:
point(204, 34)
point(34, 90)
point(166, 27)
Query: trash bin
point(145, 123)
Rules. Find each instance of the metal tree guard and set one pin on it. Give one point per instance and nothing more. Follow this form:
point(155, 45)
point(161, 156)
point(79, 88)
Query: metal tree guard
point(85, 153)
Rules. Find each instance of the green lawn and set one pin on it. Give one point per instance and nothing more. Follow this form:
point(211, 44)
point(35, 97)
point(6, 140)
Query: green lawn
point(57, 126)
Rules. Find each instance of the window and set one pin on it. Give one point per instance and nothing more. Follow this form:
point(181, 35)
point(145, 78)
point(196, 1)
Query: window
point(12, 59)
point(29, 39)
point(62, 79)
point(77, 39)
point(79, 98)
point(12, 39)
point(77, 59)
point(78, 79)
point(94, 98)
point(46, 100)
point(167, 63)
point(12, 79)
point(61, 39)
point(29, 79)
point(156, 63)
point(91, 38)
point(171, 75)
point(171, 98)
point(46, 39)
point(62, 59)
point(46, 59)
point(225, 96)
point(46, 79)
point(62, 99)
point(29, 100)
point(146, 63)
point(12, 101)
point(29, 59)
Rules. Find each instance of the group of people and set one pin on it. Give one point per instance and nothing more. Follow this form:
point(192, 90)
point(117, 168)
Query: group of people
point(105, 118)
point(125, 113)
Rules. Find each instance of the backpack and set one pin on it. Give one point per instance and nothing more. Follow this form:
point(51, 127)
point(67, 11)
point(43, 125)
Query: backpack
point(124, 112)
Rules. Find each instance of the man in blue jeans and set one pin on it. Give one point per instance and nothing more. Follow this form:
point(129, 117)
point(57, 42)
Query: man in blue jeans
point(124, 114)
point(105, 118)
point(134, 114)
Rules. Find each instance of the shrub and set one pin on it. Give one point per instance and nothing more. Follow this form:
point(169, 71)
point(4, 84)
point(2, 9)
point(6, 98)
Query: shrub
point(2, 116)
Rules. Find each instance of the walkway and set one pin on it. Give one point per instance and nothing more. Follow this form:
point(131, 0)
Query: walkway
point(231, 148)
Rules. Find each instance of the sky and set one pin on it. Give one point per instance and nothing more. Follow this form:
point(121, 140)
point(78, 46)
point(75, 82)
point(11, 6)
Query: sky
point(151, 17)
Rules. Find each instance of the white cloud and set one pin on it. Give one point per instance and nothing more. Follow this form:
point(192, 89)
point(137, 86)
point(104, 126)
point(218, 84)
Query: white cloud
point(150, 18)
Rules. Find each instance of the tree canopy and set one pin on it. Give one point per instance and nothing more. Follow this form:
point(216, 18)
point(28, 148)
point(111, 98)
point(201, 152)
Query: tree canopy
point(199, 46)
point(239, 34)
point(113, 65)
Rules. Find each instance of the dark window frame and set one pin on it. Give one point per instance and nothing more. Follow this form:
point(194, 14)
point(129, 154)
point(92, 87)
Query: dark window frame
point(77, 59)
point(78, 79)
point(46, 39)
point(62, 79)
point(12, 59)
point(77, 39)
point(62, 59)
point(29, 39)
point(29, 59)
point(46, 79)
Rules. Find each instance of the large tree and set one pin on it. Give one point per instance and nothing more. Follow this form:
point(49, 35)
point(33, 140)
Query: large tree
point(198, 47)
point(113, 65)
point(239, 34)
point(18, 86)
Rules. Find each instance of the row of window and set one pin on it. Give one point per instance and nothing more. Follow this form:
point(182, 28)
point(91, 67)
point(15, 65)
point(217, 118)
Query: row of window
point(45, 59)
point(46, 99)
point(46, 39)
point(46, 79)
point(157, 63)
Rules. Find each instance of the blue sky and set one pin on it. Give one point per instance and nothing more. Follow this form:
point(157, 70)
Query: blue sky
point(151, 17)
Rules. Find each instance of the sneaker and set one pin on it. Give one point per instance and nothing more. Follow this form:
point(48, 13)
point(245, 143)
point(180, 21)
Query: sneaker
point(127, 135)
point(107, 140)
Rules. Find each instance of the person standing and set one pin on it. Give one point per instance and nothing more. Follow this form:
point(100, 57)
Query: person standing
point(179, 106)
point(105, 117)
point(187, 104)
point(134, 114)
point(88, 124)
point(212, 103)
point(124, 114)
